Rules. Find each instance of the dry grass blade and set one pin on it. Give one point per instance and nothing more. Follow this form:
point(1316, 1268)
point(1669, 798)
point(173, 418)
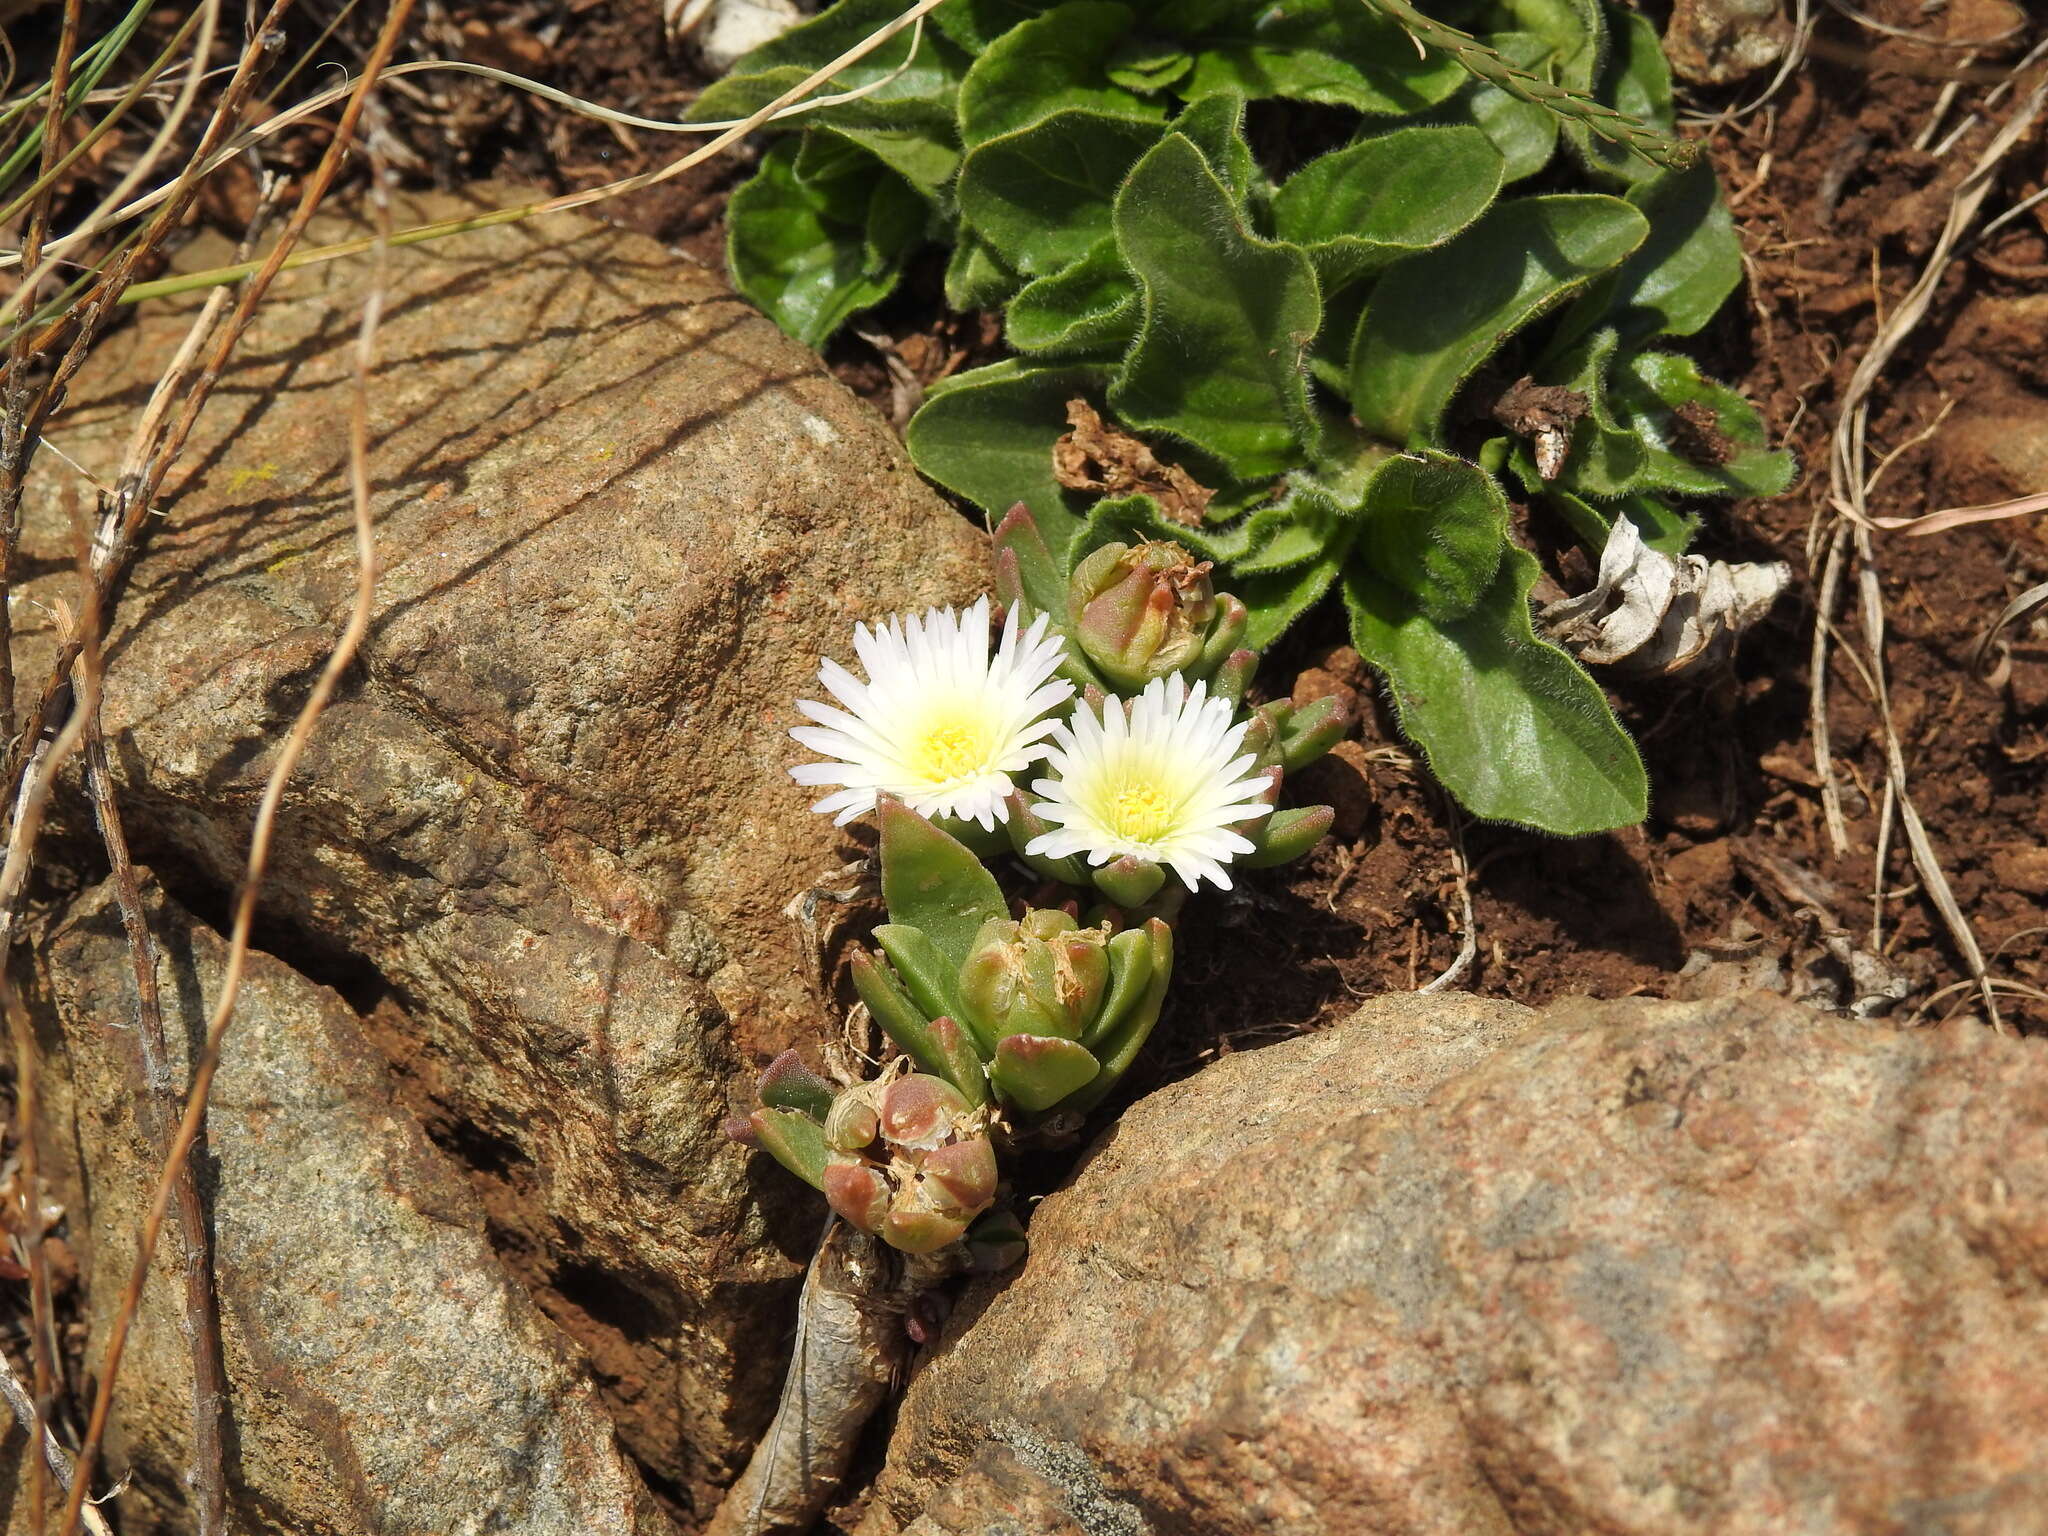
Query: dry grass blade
point(261, 835)
point(1960, 517)
point(1849, 486)
point(2017, 611)
point(571, 200)
point(208, 163)
point(59, 1464)
point(157, 1112)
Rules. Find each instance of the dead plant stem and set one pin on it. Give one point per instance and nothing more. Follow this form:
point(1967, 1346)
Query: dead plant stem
point(53, 1454)
point(338, 661)
point(157, 1112)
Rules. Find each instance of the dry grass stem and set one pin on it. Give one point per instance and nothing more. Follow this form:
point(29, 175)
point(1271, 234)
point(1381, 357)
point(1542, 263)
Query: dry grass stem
point(1468, 951)
point(338, 661)
point(1849, 483)
point(53, 1454)
point(157, 1112)
point(567, 201)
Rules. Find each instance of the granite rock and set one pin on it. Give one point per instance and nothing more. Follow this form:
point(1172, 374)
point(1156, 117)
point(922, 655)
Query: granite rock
point(385, 1373)
point(620, 516)
point(1453, 1267)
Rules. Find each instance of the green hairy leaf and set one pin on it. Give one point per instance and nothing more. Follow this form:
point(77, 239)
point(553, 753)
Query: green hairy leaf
point(1054, 62)
point(1088, 307)
point(1360, 208)
point(987, 435)
point(1436, 317)
point(1226, 320)
point(812, 250)
point(1634, 78)
point(1605, 459)
point(1702, 438)
point(1435, 528)
point(1678, 278)
point(1511, 725)
point(1333, 52)
point(1523, 132)
point(1042, 196)
point(1288, 311)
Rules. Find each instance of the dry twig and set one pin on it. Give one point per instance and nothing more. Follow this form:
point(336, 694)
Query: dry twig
point(1849, 486)
point(338, 661)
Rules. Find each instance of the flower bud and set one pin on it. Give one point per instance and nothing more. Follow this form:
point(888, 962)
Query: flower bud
point(858, 1193)
point(919, 1111)
point(1045, 975)
point(1142, 613)
point(908, 1160)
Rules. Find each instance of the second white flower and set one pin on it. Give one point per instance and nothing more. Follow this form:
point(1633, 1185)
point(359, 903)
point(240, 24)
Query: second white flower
point(1160, 778)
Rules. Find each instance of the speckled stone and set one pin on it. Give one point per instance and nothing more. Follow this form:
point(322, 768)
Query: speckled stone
point(1453, 1267)
point(385, 1373)
point(620, 516)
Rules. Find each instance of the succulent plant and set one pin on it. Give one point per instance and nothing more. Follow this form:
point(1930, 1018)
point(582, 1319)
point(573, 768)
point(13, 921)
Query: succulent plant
point(907, 1159)
point(1148, 610)
point(1039, 1014)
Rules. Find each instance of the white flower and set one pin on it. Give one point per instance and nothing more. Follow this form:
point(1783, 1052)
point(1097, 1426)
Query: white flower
point(939, 723)
point(1160, 778)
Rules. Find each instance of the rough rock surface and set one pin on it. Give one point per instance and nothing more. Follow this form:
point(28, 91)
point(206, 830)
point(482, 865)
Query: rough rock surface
point(385, 1373)
point(619, 517)
point(1456, 1268)
point(1717, 42)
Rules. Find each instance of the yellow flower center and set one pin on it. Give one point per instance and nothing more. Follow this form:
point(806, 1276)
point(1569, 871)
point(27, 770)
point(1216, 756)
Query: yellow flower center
point(1141, 813)
point(950, 747)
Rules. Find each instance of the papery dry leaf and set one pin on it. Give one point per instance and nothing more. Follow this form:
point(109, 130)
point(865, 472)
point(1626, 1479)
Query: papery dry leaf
point(1650, 613)
point(1097, 457)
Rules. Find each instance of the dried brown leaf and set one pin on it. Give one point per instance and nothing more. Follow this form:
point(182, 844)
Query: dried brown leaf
point(1094, 456)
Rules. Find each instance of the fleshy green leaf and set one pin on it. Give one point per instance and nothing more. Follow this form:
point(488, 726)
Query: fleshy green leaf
point(988, 435)
point(1043, 195)
point(791, 255)
point(1677, 278)
point(931, 882)
point(1435, 529)
point(1435, 317)
point(933, 984)
point(794, 1140)
point(1226, 318)
point(1119, 1047)
point(1035, 1072)
point(1703, 438)
point(1130, 970)
point(1510, 724)
point(1089, 307)
point(1054, 62)
point(1357, 209)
